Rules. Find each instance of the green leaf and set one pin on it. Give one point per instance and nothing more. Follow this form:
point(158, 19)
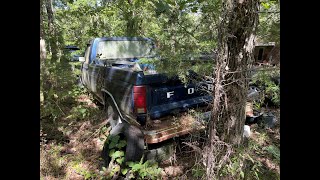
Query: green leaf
point(117, 154)
point(82, 110)
point(124, 171)
point(143, 174)
point(115, 138)
point(194, 9)
point(87, 176)
point(256, 175)
point(120, 160)
point(242, 174)
point(265, 5)
point(146, 164)
point(122, 144)
point(130, 163)
point(273, 150)
point(115, 169)
point(111, 152)
point(136, 167)
point(112, 144)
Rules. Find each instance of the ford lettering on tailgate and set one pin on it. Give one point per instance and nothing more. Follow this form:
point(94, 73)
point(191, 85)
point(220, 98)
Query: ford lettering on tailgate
point(162, 95)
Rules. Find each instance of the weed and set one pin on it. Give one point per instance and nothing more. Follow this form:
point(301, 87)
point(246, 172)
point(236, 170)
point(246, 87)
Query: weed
point(136, 170)
point(265, 81)
point(274, 151)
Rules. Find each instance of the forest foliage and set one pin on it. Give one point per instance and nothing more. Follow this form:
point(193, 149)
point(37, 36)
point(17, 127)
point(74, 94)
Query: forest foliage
point(180, 28)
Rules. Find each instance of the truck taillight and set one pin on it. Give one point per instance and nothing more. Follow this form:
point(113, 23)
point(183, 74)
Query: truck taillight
point(140, 99)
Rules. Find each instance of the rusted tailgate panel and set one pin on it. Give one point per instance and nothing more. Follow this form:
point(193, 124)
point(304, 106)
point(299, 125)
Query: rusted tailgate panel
point(161, 130)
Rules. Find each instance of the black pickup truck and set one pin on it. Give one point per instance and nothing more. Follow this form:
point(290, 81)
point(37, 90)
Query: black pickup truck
point(144, 106)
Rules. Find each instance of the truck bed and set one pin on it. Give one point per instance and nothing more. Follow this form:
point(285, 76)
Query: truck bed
point(173, 126)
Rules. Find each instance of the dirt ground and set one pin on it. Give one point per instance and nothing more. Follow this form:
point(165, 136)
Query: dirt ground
point(70, 148)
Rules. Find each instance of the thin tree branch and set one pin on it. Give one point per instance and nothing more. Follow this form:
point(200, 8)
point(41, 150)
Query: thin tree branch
point(268, 11)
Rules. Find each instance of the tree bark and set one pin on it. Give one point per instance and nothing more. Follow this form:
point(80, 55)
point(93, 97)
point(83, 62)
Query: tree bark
point(236, 35)
point(129, 16)
point(42, 34)
point(43, 53)
point(51, 30)
point(132, 23)
point(45, 84)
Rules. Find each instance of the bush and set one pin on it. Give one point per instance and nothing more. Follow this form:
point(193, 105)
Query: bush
point(132, 170)
point(267, 82)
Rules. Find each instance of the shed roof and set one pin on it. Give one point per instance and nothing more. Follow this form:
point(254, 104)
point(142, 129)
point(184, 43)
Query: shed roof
point(266, 44)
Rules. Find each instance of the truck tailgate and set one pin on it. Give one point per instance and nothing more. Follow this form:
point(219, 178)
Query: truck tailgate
point(171, 99)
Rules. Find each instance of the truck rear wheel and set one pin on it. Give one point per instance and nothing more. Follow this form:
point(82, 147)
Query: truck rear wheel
point(135, 145)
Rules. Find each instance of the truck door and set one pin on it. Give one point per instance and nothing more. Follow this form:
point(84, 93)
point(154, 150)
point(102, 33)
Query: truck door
point(85, 68)
point(95, 74)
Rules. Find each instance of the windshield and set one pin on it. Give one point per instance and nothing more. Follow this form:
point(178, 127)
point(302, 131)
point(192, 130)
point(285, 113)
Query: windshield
point(124, 49)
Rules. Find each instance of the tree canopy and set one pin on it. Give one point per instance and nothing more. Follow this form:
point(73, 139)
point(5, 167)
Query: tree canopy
point(181, 29)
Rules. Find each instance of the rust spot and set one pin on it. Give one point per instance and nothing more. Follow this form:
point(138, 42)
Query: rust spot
point(171, 127)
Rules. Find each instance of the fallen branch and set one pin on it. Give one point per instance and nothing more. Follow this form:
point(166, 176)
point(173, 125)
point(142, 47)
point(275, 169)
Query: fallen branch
point(59, 107)
point(196, 148)
point(256, 69)
point(96, 132)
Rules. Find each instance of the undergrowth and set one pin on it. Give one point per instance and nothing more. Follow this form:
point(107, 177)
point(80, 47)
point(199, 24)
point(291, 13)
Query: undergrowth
point(73, 132)
point(268, 83)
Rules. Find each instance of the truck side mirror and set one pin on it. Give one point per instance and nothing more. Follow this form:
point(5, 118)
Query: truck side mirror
point(82, 59)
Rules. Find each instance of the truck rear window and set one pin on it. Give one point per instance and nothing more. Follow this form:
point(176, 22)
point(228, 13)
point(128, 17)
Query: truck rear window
point(124, 49)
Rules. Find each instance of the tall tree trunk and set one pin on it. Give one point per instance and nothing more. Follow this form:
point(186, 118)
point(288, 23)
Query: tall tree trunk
point(46, 84)
point(129, 18)
point(236, 36)
point(43, 57)
point(43, 53)
point(51, 30)
point(132, 23)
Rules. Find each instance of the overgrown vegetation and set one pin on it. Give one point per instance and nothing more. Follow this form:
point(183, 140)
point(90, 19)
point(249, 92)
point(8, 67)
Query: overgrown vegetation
point(118, 166)
point(260, 159)
point(269, 84)
point(73, 128)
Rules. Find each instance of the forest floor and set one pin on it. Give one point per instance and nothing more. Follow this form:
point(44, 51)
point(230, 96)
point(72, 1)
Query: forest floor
point(71, 144)
point(70, 148)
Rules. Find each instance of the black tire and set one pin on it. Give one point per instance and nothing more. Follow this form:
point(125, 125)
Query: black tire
point(105, 155)
point(135, 143)
point(133, 135)
point(133, 150)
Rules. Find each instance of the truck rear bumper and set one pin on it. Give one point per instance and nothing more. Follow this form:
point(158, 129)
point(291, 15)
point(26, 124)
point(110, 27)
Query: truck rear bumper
point(160, 130)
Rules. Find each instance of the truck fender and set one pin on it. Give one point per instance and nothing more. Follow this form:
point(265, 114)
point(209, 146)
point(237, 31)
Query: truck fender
point(118, 129)
point(114, 102)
